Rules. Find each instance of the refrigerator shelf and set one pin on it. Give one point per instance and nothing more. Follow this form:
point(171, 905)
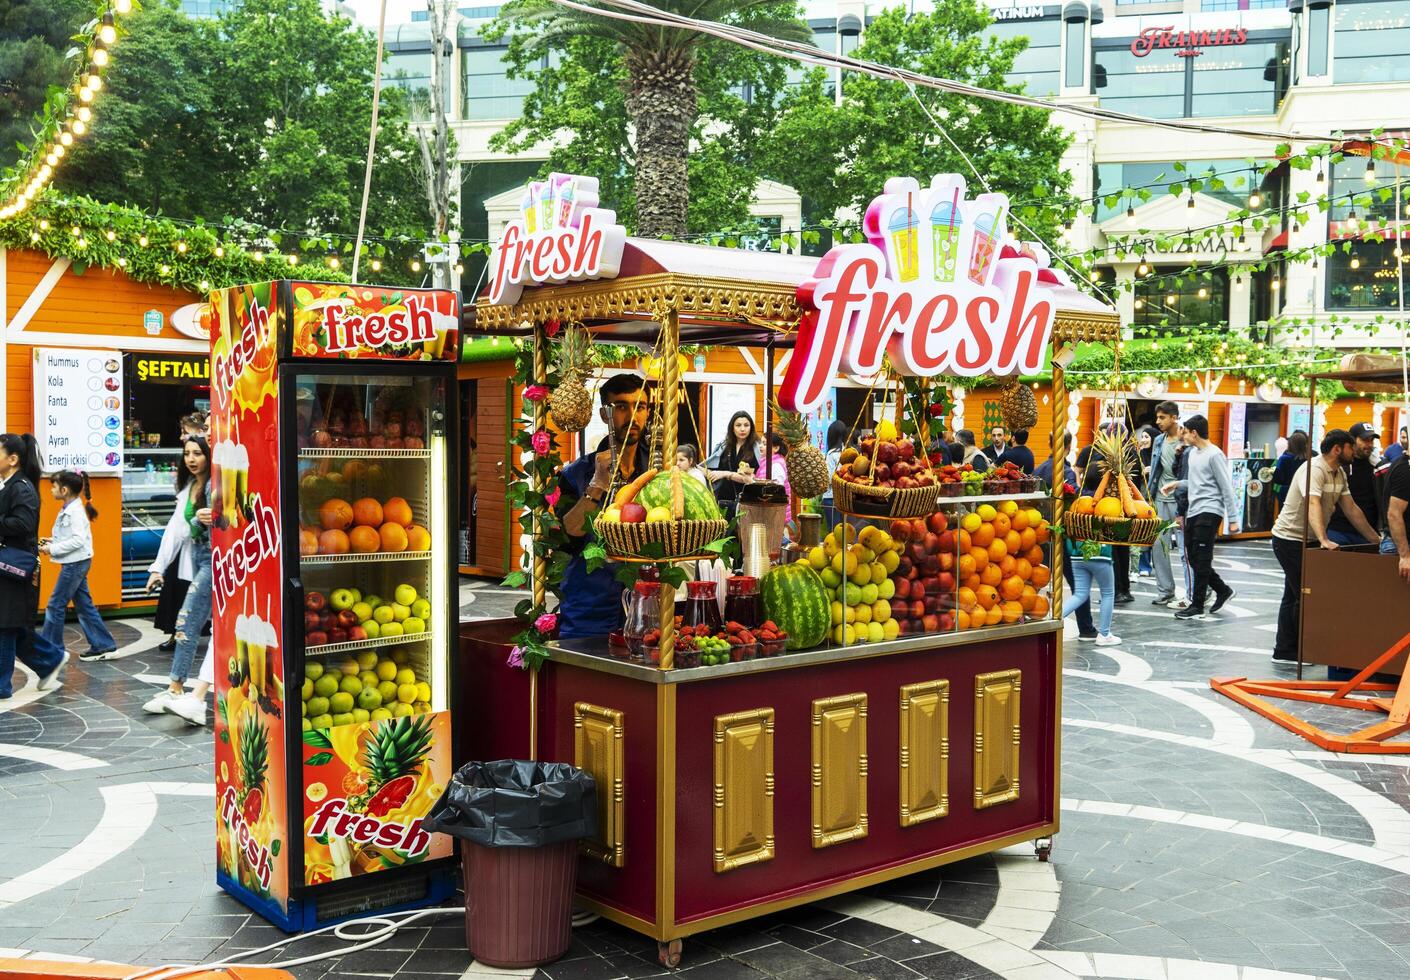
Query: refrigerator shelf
point(368, 644)
point(345, 453)
point(353, 558)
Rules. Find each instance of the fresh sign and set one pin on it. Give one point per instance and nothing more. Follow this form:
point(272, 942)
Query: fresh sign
point(933, 290)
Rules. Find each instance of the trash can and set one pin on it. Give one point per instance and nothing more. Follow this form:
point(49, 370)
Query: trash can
point(518, 824)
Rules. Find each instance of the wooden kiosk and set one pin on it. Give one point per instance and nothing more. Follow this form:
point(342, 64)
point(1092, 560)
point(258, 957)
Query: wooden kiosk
point(733, 791)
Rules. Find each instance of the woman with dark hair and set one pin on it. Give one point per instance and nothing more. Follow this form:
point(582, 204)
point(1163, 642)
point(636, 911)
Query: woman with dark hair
point(1297, 453)
point(174, 566)
point(19, 597)
point(735, 460)
point(71, 548)
point(196, 610)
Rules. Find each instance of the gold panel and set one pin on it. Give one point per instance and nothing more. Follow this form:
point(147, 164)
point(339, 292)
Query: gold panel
point(925, 752)
point(744, 788)
point(598, 737)
point(1073, 327)
point(996, 723)
point(839, 769)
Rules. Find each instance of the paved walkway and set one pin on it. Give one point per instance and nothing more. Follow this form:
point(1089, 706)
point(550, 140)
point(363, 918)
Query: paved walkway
point(1198, 840)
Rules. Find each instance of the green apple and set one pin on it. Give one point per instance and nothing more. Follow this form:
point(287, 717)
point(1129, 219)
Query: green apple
point(362, 611)
point(406, 676)
point(386, 670)
point(388, 691)
point(327, 685)
point(404, 594)
point(313, 670)
point(382, 614)
point(400, 657)
point(372, 628)
point(357, 595)
point(381, 714)
point(400, 611)
point(886, 590)
point(317, 706)
point(360, 715)
point(350, 685)
point(368, 679)
point(346, 718)
point(340, 703)
point(413, 625)
point(366, 660)
point(421, 609)
point(401, 710)
point(373, 600)
point(306, 690)
point(324, 720)
point(390, 629)
point(306, 725)
point(369, 698)
point(870, 592)
point(341, 599)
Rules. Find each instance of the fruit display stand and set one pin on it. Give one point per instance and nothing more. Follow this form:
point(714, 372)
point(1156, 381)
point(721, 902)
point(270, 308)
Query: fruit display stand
point(734, 790)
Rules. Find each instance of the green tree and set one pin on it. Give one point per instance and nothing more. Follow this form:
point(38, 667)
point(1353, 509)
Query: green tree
point(880, 130)
point(658, 114)
point(34, 37)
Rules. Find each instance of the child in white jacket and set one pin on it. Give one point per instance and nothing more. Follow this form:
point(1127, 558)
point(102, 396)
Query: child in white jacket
point(71, 548)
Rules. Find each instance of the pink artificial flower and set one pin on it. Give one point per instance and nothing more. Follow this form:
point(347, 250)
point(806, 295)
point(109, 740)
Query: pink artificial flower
point(535, 393)
point(542, 441)
point(551, 498)
point(546, 623)
point(516, 657)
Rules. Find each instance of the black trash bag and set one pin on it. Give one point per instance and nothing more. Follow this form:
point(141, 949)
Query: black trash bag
point(514, 803)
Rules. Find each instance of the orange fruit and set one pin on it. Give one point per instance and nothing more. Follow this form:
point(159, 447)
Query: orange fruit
point(397, 511)
point(353, 469)
point(1108, 507)
point(335, 513)
point(994, 616)
point(962, 620)
point(333, 542)
point(991, 575)
point(1041, 533)
point(364, 540)
point(1020, 520)
point(1001, 524)
point(1012, 611)
point(1014, 542)
point(967, 598)
point(367, 512)
point(1011, 587)
point(1034, 555)
point(308, 542)
point(1040, 607)
point(973, 582)
point(967, 566)
point(1083, 505)
point(393, 536)
point(997, 550)
point(1028, 598)
point(418, 538)
point(981, 558)
point(1027, 538)
point(1007, 564)
point(983, 536)
point(1041, 574)
point(1023, 568)
point(965, 541)
point(986, 596)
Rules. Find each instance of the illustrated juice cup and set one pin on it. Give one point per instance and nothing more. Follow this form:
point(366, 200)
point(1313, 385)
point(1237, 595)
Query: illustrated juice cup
point(982, 252)
point(234, 463)
point(567, 198)
point(445, 327)
point(260, 639)
point(905, 243)
point(242, 643)
point(546, 202)
point(945, 222)
point(529, 208)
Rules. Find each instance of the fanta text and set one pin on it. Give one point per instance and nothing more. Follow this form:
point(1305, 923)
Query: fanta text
point(235, 562)
point(225, 370)
point(554, 254)
point(256, 855)
point(412, 325)
point(334, 818)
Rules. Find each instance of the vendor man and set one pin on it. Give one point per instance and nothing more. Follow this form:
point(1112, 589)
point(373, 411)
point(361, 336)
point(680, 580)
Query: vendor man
point(592, 601)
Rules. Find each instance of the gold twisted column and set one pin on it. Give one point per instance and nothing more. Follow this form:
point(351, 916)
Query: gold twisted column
point(670, 403)
point(539, 579)
point(1059, 471)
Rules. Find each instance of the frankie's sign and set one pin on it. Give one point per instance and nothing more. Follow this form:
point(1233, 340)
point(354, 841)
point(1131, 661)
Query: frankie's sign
point(1185, 44)
point(561, 235)
point(935, 289)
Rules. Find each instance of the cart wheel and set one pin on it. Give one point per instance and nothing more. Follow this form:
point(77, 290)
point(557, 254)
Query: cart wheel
point(1043, 848)
point(669, 953)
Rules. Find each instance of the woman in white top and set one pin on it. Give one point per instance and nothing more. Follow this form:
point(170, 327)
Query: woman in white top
point(71, 548)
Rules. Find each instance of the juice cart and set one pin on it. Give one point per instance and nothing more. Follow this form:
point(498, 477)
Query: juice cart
point(792, 772)
point(332, 594)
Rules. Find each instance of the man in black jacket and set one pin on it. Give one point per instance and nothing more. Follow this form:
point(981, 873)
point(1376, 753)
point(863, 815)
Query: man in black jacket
point(1361, 478)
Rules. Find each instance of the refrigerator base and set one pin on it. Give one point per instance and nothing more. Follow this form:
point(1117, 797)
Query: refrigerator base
point(319, 910)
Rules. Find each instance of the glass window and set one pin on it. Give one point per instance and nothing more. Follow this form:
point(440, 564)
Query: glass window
point(1351, 191)
point(1156, 177)
point(1239, 80)
point(410, 71)
point(1196, 299)
point(1372, 42)
point(1317, 20)
point(489, 92)
point(824, 38)
point(1145, 86)
point(1364, 278)
point(1242, 4)
point(1035, 67)
point(1076, 53)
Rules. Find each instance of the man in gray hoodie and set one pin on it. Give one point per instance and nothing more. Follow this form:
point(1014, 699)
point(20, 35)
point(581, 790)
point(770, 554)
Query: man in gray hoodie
point(1211, 494)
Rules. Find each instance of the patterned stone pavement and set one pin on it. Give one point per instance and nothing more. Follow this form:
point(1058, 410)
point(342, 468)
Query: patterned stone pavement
point(1198, 840)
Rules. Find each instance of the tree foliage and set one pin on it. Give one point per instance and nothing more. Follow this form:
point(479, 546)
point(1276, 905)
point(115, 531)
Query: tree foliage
point(839, 156)
point(34, 36)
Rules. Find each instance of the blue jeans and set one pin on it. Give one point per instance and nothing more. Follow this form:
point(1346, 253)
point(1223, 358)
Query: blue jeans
point(1084, 611)
point(195, 613)
point(1085, 573)
point(73, 584)
point(33, 650)
point(1388, 545)
point(1346, 539)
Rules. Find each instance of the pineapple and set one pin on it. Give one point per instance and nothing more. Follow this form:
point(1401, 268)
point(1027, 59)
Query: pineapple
point(1117, 495)
point(807, 467)
point(393, 757)
point(569, 401)
point(254, 763)
point(1017, 406)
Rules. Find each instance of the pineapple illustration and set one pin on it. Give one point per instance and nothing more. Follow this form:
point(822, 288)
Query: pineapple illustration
point(570, 402)
point(254, 762)
point(393, 757)
point(807, 468)
point(1017, 406)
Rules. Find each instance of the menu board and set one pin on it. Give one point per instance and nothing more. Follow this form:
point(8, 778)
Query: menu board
point(78, 409)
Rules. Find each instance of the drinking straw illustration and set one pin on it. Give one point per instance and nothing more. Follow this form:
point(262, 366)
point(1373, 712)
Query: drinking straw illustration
point(945, 220)
point(528, 204)
point(982, 253)
point(905, 242)
point(567, 197)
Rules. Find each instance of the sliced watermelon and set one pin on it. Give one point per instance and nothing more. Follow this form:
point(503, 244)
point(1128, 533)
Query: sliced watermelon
point(393, 794)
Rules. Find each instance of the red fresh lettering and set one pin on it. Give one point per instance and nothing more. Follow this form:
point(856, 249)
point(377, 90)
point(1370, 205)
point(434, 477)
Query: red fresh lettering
point(233, 563)
point(928, 349)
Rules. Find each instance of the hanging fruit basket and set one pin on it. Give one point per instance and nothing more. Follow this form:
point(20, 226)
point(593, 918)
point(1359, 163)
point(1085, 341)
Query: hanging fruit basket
point(887, 474)
point(1116, 514)
point(678, 539)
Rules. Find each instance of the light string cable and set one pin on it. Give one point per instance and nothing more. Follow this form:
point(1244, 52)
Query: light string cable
point(1400, 302)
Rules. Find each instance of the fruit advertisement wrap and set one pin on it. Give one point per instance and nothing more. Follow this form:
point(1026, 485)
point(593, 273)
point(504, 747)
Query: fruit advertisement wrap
point(343, 321)
point(246, 592)
point(367, 788)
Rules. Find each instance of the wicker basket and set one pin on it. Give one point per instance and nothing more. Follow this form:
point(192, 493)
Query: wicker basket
point(865, 500)
point(680, 539)
point(1135, 531)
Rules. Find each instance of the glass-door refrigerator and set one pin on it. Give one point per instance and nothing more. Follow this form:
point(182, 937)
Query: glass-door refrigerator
point(333, 594)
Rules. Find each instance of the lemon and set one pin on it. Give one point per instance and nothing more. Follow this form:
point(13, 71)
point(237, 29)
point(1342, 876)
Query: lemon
point(875, 632)
point(405, 676)
point(401, 710)
point(1008, 507)
point(386, 670)
point(971, 522)
point(406, 693)
point(817, 558)
point(658, 514)
point(836, 612)
point(890, 629)
point(423, 691)
point(987, 512)
point(886, 431)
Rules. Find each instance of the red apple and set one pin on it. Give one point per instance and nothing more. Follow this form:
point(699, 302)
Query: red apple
point(916, 551)
point(947, 561)
point(918, 589)
point(377, 441)
point(946, 582)
point(357, 633)
point(315, 601)
point(918, 530)
point(947, 622)
point(932, 543)
point(316, 638)
point(947, 541)
point(903, 567)
point(311, 621)
point(901, 531)
point(917, 609)
point(932, 603)
point(931, 564)
point(937, 522)
point(327, 621)
point(903, 588)
point(931, 623)
point(633, 513)
point(337, 635)
point(347, 619)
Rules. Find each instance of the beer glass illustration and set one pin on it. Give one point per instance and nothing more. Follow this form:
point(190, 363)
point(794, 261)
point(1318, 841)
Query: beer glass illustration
point(945, 223)
point(905, 243)
point(233, 461)
point(985, 241)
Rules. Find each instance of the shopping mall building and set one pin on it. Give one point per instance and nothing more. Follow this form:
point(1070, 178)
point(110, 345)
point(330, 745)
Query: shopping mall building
point(1297, 66)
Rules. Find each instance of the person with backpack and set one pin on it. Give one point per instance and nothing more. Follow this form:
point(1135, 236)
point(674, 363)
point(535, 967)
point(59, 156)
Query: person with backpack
point(71, 548)
point(19, 567)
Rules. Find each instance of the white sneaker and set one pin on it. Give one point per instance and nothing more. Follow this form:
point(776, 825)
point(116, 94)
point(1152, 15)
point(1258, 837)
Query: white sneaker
point(1178, 604)
point(1110, 640)
point(190, 707)
point(52, 678)
point(158, 704)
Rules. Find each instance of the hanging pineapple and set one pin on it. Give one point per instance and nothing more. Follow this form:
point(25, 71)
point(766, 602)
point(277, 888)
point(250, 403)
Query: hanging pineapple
point(1117, 495)
point(1017, 406)
point(569, 402)
point(807, 468)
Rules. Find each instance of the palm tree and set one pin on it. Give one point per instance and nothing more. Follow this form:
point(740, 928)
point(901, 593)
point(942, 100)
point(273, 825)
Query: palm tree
point(661, 95)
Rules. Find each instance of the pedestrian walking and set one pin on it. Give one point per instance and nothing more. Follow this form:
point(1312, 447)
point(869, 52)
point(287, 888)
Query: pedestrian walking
point(19, 567)
point(196, 610)
point(71, 548)
point(1211, 494)
point(1088, 570)
point(1321, 484)
point(1164, 449)
point(172, 567)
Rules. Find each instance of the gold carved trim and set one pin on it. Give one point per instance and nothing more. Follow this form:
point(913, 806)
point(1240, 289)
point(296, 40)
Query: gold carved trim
point(996, 736)
point(839, 777)
point(1074, 327)
point(744, 788)
point(598, 738)
point(925, 752)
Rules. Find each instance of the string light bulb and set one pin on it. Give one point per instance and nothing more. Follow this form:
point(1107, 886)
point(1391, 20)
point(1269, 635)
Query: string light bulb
point(1356, 262)
point(333, 262)
point(415, 265)
point(93, 81)
point(293, 260)
point(100, 56)
point(123, 6)
point(1130, 211)
point(376, 265)
point(1142, 269)
point(110, 235)
point(79, 127)
point(1371, 171)
point(220, 251)
point(66, 138)
point(181, 247)
point(1321, 174)
point(1255, 200)
point(107, 33)
point(1190, 204)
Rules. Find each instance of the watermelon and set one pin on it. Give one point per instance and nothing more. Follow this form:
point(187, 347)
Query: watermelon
point(796, 599)
point(699, 499)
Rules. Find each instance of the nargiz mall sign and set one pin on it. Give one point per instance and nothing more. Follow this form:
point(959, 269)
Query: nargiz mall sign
point(934, 289)
point(561, 235)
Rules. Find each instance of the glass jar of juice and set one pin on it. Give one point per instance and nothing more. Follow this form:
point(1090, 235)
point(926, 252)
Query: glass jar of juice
point(743, 603)
point(701, 606)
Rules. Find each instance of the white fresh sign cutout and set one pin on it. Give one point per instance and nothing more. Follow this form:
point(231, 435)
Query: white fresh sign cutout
point(78, 409)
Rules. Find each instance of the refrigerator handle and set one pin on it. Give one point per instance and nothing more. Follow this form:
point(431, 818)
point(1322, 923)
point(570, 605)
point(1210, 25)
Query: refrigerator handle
point(296, 596)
